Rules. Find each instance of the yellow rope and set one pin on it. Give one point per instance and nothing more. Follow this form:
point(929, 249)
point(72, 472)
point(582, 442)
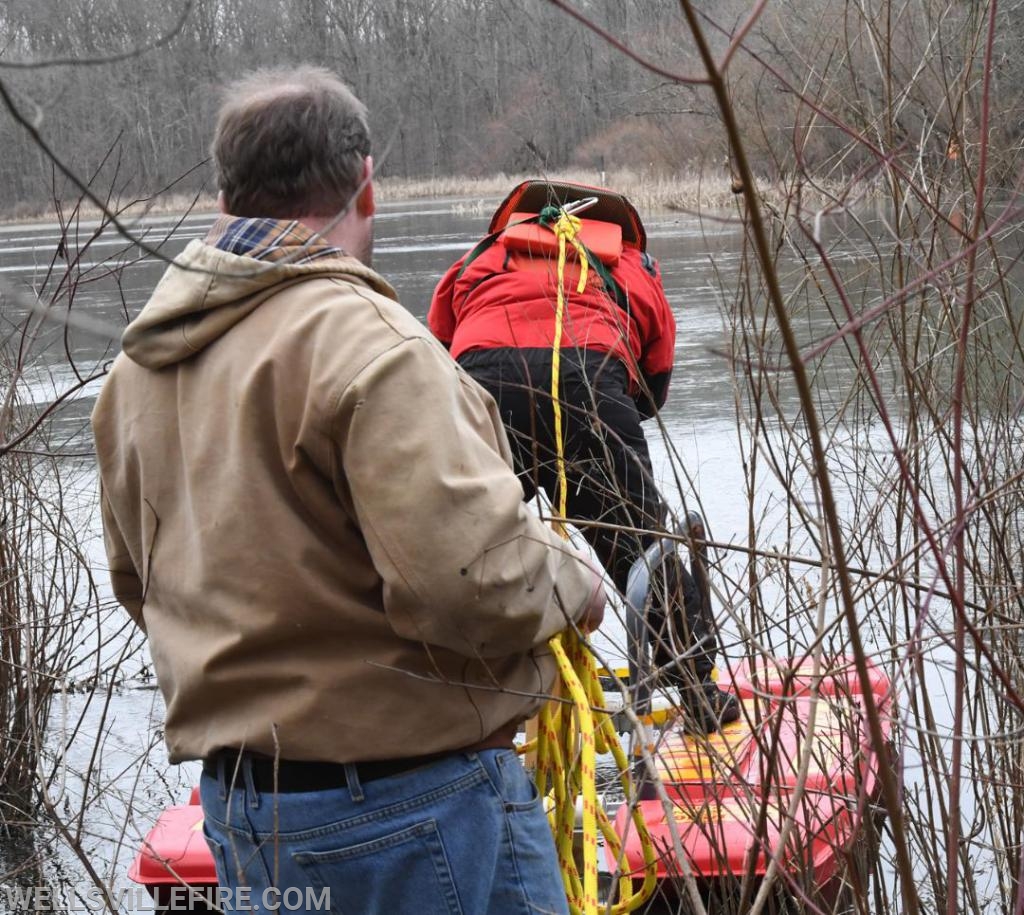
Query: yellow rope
point(565, 229)
point(568, 739)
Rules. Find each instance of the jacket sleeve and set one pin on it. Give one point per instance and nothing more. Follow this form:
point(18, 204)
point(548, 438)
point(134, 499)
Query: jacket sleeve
point(657, 327)
point(465, 563)
point(441, 314)
point(124, 577)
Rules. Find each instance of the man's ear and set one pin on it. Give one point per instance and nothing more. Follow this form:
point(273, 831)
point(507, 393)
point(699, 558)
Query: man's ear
point(365, 204)
point(221, 203)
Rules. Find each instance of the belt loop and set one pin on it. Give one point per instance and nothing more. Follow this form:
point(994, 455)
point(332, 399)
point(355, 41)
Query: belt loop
point(355, 788)
point(250, 782)
point(222, 782)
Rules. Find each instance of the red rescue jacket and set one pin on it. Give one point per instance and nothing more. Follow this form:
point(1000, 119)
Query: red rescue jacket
point(506, 297)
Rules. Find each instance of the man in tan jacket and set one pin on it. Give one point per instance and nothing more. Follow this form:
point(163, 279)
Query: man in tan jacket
point(310, 509)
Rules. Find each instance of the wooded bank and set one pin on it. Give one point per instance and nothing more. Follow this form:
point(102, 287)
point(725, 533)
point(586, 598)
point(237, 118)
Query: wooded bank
point(826, 88)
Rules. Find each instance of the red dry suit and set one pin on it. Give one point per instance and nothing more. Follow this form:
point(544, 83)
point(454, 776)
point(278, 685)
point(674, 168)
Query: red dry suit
point(495, 309)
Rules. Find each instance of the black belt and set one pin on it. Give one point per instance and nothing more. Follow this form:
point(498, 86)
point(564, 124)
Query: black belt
point(288, 776)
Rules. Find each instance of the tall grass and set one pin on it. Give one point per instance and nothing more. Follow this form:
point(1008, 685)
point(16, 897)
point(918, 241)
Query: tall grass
point(689, 191)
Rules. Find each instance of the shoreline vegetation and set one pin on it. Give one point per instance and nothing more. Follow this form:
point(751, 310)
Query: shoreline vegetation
point(692, 191)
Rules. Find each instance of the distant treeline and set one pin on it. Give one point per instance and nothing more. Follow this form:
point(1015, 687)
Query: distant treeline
point(472, 87)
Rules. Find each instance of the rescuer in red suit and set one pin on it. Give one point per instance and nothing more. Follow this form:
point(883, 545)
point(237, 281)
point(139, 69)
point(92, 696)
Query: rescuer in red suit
point(495, 310)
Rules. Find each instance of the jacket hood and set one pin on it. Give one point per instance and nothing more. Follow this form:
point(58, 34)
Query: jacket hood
point(205, 292)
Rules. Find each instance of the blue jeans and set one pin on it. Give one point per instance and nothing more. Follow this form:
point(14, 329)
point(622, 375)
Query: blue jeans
point(466, 835)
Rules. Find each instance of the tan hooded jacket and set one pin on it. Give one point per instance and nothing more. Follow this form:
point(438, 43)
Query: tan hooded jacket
point(309, 508)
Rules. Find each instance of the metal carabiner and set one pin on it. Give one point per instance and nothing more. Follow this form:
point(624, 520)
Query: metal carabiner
point(578, 206)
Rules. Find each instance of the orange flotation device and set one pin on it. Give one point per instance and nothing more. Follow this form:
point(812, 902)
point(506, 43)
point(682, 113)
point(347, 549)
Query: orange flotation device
point(529, 198)
point(523, 222)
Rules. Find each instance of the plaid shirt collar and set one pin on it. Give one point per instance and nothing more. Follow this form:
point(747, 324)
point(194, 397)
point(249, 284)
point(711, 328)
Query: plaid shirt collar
point(269, 240)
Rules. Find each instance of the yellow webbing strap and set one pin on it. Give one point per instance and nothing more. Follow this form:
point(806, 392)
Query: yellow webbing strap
point(569, 738)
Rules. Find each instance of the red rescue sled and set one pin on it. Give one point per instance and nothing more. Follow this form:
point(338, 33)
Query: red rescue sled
point(174, 855)
point(791, 782)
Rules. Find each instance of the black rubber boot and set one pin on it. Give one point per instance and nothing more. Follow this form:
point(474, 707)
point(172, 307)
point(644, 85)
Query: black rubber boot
point(708, 707)
point(686, 647)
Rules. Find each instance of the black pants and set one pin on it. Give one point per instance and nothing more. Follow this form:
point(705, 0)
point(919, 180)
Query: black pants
point(607, 468)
